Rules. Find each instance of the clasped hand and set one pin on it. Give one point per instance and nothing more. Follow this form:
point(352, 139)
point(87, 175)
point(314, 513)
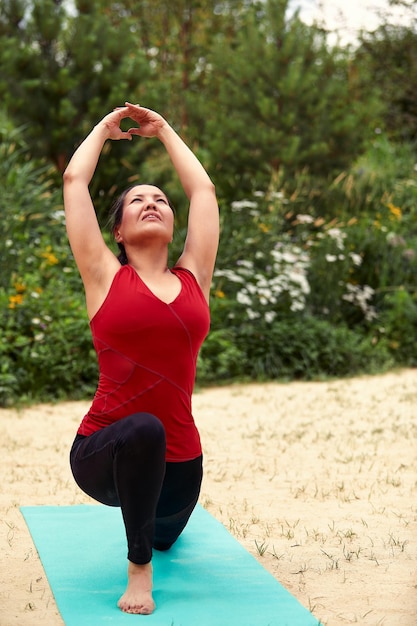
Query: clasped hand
point(150, 122)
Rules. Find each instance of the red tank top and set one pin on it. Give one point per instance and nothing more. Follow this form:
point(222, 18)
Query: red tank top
point(147, 354)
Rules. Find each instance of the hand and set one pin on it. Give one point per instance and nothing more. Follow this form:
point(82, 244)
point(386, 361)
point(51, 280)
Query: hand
point(150, 122)
point(112, 124)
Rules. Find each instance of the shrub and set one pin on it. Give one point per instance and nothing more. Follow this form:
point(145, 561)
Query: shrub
point(297, 293)
point(45, 345)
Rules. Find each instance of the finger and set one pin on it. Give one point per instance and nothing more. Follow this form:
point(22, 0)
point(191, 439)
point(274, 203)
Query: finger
point(126, 135)
point(134, 131)
point(129, 104)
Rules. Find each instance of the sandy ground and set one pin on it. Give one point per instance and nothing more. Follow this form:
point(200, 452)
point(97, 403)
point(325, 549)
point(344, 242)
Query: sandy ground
point(317, 480)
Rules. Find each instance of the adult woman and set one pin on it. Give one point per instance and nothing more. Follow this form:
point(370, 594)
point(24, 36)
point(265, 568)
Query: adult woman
point(138, 447)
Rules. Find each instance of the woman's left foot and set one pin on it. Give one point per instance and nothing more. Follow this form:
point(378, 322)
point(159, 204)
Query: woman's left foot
point(138, 595)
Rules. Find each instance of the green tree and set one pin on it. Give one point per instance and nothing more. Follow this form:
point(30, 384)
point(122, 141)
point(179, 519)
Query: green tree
point(62, 72)
point(73, 66)
point(390, 54)
point(284, 99)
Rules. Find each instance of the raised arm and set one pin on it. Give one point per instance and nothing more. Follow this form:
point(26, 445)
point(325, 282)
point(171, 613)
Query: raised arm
point(202, 239)
point(95, 261)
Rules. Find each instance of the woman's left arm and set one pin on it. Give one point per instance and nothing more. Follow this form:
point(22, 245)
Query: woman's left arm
point(202, 239)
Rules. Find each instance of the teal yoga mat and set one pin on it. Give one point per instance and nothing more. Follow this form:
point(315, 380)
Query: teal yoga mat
point(206, 579)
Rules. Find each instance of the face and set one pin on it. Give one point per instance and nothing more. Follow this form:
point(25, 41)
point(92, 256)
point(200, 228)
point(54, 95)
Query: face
point(146, 215)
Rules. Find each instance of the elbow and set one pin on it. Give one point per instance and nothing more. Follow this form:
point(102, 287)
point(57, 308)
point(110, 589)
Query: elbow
point(201, 189)
point(67, 177)
point(209, 187)
point(70, 176)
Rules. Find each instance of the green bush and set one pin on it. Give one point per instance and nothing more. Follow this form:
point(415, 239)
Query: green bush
point(304, 347)
point(46, 350)
point(297, 293)
point(399, 325)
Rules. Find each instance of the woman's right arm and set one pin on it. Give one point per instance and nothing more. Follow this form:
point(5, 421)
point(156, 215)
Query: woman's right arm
point(95, 261)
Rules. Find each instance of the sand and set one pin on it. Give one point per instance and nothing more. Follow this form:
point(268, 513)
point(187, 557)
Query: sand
point(316, 479)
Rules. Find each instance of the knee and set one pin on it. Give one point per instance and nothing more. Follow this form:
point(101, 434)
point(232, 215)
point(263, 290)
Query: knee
point(162, 546)
point(144, 429)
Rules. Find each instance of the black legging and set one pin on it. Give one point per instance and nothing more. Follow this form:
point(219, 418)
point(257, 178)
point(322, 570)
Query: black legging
point(124, 465)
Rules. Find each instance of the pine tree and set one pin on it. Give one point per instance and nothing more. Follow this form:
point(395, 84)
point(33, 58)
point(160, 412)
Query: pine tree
point(63, 72)
point(285, 99)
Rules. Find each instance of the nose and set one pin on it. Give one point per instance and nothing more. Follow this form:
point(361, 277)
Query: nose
point(149, 205)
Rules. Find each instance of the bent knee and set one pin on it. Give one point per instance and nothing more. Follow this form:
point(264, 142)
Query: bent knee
point(143, 427)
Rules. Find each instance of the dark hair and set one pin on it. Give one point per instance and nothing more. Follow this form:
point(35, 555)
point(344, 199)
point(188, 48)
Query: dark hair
point(116, 215)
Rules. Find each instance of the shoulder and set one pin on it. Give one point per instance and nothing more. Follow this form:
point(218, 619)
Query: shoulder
point(188, 280)
point(187, 275)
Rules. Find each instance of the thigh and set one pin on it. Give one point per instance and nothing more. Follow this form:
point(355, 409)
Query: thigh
point(105, 463)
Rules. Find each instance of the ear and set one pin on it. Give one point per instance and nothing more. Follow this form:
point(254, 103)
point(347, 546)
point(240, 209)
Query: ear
point(118, 237)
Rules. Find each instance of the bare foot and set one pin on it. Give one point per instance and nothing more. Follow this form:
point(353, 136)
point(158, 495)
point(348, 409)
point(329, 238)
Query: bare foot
point(138, 596)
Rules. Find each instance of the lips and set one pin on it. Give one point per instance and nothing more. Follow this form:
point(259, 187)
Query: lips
point(151, 216)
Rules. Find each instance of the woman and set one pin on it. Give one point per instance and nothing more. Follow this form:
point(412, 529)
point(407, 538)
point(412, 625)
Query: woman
point(138, 446)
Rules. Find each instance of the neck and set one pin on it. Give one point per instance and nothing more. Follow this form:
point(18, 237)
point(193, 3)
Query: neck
point(148, 261)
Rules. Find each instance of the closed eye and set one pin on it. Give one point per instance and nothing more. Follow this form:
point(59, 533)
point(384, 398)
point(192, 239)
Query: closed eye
point(141, 199)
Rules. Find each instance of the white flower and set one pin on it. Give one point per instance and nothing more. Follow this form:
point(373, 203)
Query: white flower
point(243, 298)
point(252, 315)
point(305, 219)
point(356, 258)
point(270, 316)
point(360, 295)
point(338, 235)
point(245, 263)
point(230, 275)
point(297, 306)
point(238, 205)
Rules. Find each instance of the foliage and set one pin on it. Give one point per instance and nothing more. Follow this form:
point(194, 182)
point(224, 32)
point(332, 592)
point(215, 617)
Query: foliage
point(295, 294)
point(72, 69)
point(390, 53)
point(257, 88)
point(317, 266)
point(352, 277)
point(45, 345)
point(287, 100)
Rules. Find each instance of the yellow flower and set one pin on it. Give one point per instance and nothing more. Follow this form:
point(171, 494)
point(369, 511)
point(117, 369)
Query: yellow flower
point(395, 211)
point(20, 287)
point(15, 300)
point(219, 293)
point(264, 228)
point(49, 256)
